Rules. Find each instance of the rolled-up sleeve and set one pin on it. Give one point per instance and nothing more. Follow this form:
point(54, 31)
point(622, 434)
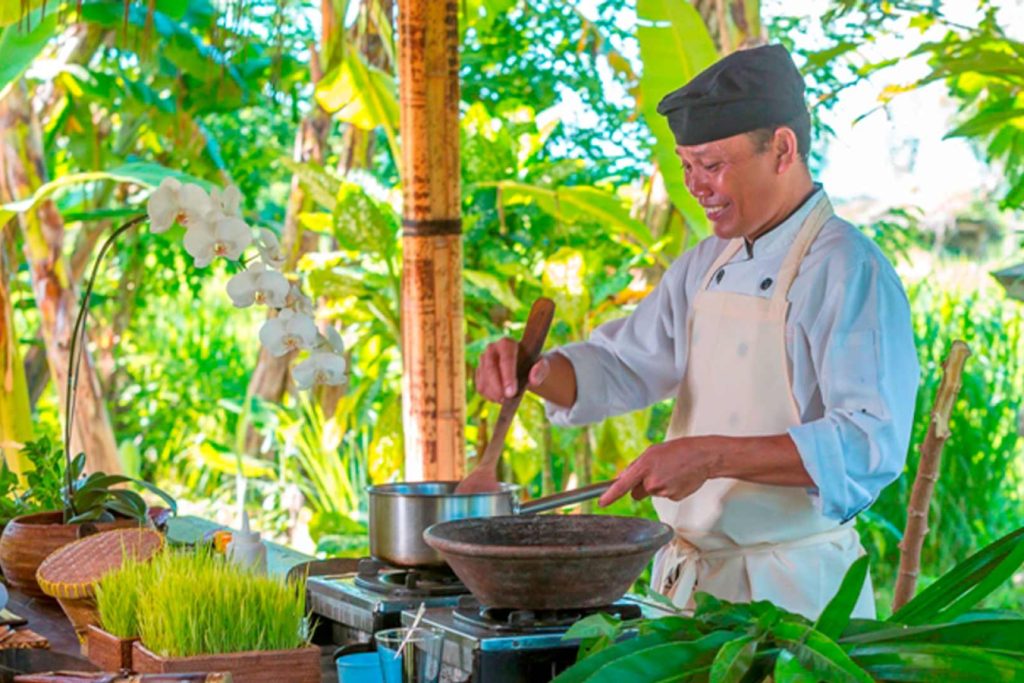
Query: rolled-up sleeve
point(862, 348)
point(632, 362)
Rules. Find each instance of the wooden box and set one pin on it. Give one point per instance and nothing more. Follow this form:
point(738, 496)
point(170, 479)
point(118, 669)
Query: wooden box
point(301, 665)
point(106, 650)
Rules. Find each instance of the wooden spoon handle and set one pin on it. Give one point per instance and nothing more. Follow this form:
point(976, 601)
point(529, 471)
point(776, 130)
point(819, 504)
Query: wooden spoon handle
point(530, 347)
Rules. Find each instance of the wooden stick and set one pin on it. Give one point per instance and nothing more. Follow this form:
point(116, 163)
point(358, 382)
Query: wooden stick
point(74, 677)
point(927, 474)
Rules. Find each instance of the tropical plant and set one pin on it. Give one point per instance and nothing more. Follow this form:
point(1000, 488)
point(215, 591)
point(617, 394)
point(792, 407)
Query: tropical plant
point(92, 498)
point(935, 636)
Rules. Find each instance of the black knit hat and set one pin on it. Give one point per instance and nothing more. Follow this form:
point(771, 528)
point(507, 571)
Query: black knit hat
point(750, 89)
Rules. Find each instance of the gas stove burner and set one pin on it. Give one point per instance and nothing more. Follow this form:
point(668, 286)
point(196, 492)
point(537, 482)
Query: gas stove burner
point(509, 620)
point(401, 582)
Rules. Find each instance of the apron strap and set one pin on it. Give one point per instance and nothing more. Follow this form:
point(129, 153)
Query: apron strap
point(678, 562)
point(730, 250)
point(812, 225)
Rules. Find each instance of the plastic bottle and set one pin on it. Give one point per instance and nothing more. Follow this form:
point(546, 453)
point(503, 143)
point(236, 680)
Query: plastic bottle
point(246, 548)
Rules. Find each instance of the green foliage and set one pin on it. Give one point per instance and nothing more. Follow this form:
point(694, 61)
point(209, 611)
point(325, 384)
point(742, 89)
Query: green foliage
point(194, 602)
point(978, 496)
point(93, 497)
point(119, 598)
point(726, 641)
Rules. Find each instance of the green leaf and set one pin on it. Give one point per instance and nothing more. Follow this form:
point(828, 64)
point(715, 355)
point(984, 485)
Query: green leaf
point(160, 493)
point(734, 660)
point(985, 122)
point(818, 653)
point(19, 49)
point(582, 671)
point(667, 661)
point(966, 584)
point(674, 46)
point(588, 205)
point(788, 669)
point(362, 95)
point(929, 662)
point(991, 634)
point(494, 286)
point(141, 173)
point(77, 466)
point(836, 615)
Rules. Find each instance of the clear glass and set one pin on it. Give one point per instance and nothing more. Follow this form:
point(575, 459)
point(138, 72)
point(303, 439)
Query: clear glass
point(418, 662)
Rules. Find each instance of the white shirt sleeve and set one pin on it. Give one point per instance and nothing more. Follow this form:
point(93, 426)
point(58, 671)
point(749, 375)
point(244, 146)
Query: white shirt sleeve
point(632, 362)
point(862, 351)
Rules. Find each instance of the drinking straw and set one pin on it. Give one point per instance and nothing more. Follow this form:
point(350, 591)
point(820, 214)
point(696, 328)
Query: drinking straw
point(408, 634)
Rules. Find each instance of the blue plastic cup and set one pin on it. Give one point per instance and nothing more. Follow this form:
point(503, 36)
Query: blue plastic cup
point(359, 667)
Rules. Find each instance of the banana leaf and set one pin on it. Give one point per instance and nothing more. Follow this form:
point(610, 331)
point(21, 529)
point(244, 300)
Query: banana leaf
point(929, 662)
point(964, 586)
point(836, 615)
point(993, 634)
point(642, 658)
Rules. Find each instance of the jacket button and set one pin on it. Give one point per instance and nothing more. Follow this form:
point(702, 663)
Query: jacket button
point(766, 283)
point(720, 275)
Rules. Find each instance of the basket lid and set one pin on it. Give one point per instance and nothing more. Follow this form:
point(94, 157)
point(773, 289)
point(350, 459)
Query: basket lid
point(71, 572)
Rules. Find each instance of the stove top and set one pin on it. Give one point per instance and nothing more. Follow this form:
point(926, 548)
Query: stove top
point(365, 596)
point(470, 613)
point(399, 582)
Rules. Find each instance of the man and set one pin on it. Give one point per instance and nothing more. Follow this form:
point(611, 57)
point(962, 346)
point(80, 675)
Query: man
point(786, 339)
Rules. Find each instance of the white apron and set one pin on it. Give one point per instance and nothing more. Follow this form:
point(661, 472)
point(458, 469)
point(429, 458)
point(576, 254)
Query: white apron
point(738, 540)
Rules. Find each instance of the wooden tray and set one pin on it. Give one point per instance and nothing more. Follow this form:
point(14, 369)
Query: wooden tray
point(301, 665)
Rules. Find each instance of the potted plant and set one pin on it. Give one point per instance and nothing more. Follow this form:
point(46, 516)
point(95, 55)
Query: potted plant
point(61, 505)
point(195, 611)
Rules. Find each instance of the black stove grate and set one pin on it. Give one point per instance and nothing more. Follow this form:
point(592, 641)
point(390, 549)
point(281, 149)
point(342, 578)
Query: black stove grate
point(522, 621)
point(400, 582)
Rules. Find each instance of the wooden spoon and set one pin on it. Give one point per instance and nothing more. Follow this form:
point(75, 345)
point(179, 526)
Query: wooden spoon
point(483, 478)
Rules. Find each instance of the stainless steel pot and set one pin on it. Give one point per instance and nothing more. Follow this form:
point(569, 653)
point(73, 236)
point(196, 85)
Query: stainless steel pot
point(400, 513)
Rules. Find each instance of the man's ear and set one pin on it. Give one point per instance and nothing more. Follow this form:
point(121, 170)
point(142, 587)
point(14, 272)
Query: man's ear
point(785, 149)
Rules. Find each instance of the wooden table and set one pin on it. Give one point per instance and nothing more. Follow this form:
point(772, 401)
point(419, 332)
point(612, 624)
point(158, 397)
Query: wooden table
point(46, 618)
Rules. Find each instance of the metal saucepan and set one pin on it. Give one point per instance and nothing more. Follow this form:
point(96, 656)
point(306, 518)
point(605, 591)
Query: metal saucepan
point(549, 561)
point(400, 513)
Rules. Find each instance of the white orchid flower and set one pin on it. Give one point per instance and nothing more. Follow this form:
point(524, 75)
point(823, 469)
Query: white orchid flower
point(228, 202)
point(322, 367)
point(173, 202)
point(226, 236)
point(289, 331)
point(334, 341)
point(299, 302)
point(270, 248)
point(258, 285)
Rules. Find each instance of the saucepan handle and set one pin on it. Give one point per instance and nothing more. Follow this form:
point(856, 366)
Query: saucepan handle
point(564, 499)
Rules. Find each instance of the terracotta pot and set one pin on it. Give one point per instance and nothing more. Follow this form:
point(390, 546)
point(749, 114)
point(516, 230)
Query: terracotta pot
point(29, 539)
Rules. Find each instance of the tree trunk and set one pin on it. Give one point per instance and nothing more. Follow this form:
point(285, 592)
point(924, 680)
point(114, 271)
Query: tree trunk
point(433, 347)
point(15, 406)
point(23, 170)
point(733, 24)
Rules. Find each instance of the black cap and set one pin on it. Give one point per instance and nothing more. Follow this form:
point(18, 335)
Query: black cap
point(750, 89)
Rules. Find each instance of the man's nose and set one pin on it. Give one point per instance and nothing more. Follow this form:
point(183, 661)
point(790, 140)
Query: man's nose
point(697, 184)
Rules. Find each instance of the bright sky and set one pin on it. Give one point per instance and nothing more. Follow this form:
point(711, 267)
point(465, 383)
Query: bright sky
point(897, 155)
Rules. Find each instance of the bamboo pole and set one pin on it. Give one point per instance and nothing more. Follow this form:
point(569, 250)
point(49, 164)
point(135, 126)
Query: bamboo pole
point(927, 474)
point(432, 317)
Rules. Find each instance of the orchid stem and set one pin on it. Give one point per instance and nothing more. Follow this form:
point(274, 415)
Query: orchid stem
point(75, 353)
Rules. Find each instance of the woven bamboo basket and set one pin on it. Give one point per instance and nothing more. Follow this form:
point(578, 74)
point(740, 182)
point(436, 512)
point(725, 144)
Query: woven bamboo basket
point(70, 574)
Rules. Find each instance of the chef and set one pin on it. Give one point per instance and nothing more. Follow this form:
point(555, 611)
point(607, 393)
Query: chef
point(786, 340)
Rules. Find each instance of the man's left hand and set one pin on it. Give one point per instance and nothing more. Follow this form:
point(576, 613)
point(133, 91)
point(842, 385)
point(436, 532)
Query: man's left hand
point(673, 469)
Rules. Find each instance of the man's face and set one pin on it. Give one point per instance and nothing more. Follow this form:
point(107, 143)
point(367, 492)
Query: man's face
point(737, 184)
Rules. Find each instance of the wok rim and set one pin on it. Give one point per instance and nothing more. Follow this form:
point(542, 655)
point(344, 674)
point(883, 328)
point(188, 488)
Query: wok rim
point(661, 534)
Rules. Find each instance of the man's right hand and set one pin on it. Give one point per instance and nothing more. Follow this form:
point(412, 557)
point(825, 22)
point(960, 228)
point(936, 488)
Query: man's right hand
point(496, 374)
